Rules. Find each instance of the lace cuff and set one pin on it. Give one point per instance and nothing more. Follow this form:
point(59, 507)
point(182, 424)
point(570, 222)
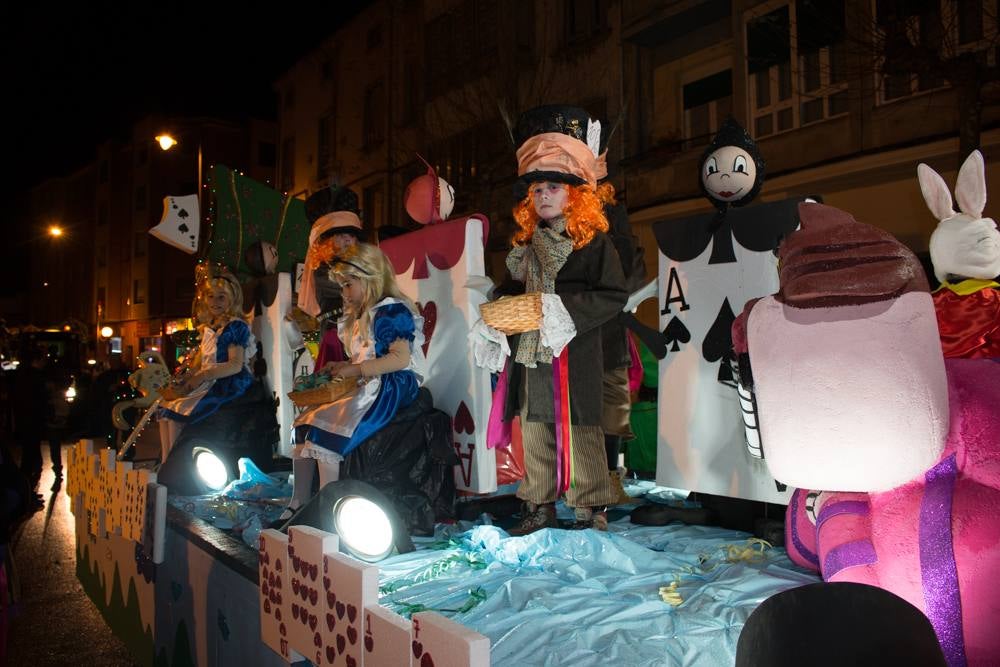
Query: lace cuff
point(489, 347)
point(557, 328)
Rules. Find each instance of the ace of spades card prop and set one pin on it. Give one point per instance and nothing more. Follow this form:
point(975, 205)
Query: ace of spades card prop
point(709, 267)
point(179, 227)
point(442, 268)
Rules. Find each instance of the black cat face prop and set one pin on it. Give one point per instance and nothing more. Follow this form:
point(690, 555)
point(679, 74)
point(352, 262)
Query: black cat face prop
point(732, 169)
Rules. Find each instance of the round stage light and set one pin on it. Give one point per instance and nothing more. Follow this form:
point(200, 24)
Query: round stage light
point(364, 528)
point(211, 469)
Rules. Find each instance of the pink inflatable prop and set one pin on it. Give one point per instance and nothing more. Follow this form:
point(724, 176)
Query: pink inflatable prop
point(908, 456)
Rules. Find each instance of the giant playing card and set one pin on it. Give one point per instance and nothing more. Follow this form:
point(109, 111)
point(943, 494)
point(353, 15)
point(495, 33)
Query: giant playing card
point(702, 288)
point(442, 268)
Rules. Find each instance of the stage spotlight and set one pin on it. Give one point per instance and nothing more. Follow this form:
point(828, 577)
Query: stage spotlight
point(210, 468)
point(369, 527)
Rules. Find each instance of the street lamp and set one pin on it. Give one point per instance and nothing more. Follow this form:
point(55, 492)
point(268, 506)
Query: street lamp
point(167, 142)
point(55, 231)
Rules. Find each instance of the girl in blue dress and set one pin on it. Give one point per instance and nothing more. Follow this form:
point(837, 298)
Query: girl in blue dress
point(221, 373)
point(382, 334)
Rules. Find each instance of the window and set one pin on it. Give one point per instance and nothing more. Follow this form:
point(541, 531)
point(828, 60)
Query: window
point(140, 198)
point(374, 115)
point(267, 155)
point(288, 164)
point(920, 23)
point(139, 244)
point(138, 291)
point(707, 102)
point(794, 82)
point(583, 19)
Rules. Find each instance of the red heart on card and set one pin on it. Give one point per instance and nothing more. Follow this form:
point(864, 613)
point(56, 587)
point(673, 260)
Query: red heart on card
point(263, 588)
point(277, 613)
point(330, 622)
point(277, 563)
point(351, 662)
point(464, 423)
point(326, 583)
point(426, 661)
point(429, 312)
point(282, 630)
point(313, 595)
point(295, 611)
point(279, 597)
point(317, 640)
point(418, 648)
point(312, 623)
point(304, 593)
point(352, 635)
point(313, 571)
point(277, 581)
point(340, 643)
point(352, 612)
point(340, 610)
point(295, 586)
point(369, 643)
point(267, 607)
point(331, 599)
point(330, 654)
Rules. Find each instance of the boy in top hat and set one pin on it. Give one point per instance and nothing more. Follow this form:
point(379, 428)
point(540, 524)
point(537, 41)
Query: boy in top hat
point(562, 251)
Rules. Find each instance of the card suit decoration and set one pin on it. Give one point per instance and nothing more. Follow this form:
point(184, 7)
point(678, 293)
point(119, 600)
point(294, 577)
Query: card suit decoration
point(429, 313)
point(676, 334)
point(464, 423)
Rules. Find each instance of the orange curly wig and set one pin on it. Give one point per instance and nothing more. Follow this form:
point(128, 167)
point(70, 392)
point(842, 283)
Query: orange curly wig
point(584, 214)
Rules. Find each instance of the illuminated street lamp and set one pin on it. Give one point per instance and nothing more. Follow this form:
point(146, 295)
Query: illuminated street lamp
point(55, 231)
point(107, 332)
point(166, 141)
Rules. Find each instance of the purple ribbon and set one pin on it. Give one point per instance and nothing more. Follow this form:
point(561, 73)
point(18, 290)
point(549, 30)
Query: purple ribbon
point(848, 554)
point(831, 510)
point(938, 572)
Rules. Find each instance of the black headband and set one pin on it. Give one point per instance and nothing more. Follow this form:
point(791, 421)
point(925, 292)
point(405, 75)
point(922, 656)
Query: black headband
point(337, 260)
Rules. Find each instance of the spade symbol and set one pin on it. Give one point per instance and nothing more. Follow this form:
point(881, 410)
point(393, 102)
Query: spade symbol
point(173, 204)
point(183, 228)
point(718, 343)
point(676, 333)
point(182, 213)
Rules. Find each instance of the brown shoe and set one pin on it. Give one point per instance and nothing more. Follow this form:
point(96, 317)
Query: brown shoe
point(535, 517)
point(590, 517)
point(619, 489)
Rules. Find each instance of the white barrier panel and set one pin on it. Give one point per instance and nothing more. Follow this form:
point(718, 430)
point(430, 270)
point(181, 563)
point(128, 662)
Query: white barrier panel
point(319, 603)
point(442, 268)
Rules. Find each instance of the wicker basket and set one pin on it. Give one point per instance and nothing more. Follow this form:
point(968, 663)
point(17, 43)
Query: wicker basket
point(514, 314)
point(332, 391)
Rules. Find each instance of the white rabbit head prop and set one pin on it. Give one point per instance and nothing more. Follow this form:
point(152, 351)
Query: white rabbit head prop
point(965, 244)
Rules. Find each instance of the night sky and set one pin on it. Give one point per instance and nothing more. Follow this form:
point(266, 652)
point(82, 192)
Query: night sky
point(80, 74)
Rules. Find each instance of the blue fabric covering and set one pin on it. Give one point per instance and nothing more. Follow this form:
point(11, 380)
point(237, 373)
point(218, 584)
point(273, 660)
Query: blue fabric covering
point(580, 598)
point(398, 389)
point(226, 389)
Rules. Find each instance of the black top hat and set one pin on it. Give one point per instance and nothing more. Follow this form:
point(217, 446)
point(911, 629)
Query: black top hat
point(561, 118)
point(332, 199)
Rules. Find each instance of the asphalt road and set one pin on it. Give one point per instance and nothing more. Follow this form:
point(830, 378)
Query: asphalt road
point(55, 622)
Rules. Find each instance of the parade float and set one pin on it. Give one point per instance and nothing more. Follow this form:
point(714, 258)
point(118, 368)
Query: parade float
point(204, 580)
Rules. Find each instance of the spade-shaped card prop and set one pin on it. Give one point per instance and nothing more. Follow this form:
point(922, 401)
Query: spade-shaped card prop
point(718, 344)
point(180, 224)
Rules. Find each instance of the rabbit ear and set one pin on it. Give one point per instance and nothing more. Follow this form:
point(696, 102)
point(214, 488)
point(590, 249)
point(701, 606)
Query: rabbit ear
point(970, 189)
point(935, 192)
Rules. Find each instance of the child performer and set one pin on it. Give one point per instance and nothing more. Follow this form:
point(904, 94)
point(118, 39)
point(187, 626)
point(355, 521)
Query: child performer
point(221, 372)
point(336, 228)
point(561, 250)
point(382, 334)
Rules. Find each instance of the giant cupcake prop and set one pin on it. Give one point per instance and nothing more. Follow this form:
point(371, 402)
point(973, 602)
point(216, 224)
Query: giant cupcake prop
point(895, 450)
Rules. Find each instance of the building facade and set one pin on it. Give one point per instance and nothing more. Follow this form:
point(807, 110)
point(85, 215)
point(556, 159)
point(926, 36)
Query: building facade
point(838, 108)
point(115, 274)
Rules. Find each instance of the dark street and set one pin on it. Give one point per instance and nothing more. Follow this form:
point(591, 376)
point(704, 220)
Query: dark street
point(55, 622)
